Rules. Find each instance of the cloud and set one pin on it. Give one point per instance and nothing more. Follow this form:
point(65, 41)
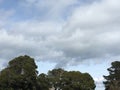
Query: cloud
point(4, 16)
point(51, 10)
point(99, 83)
point(90, 33)
point(32, 38)
point(99, 80)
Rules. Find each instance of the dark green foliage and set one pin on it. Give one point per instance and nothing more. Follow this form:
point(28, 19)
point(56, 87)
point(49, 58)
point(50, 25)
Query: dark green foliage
point(55, 77)
point(20, 74)
point(43, 81)
point(72, 80)
point(113, 79)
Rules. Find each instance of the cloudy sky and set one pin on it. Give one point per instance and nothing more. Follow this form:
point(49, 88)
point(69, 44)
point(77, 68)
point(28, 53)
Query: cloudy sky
point(79, 35)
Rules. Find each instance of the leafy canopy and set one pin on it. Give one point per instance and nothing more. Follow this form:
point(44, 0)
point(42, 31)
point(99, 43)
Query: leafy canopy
point(21, 74)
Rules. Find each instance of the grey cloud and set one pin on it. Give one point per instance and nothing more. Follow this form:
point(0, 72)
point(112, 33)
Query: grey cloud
point(91, 33)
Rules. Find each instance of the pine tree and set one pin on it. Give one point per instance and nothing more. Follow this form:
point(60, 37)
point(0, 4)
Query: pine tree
point(113, 79)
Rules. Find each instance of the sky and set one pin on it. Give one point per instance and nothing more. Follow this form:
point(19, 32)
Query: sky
point(80, 35)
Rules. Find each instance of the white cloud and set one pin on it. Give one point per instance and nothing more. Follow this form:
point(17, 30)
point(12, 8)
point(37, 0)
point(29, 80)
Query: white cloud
point(99, 80)
point(99, 83)
point(90, 33)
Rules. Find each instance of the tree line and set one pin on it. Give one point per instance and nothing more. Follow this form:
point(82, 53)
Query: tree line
point(21, 74)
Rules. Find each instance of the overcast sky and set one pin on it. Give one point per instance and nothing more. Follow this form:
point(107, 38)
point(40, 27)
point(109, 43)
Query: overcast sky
point(79, 35)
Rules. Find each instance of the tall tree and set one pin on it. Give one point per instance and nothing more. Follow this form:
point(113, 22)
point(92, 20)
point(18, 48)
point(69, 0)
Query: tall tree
point(113, 79)
point(21, 74)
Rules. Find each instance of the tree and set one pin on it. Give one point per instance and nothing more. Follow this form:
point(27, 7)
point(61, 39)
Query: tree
point(21, 74)
point(75, 80)
point(72, 80)
point(55, 77)
point(113, 79)
point(43, 82)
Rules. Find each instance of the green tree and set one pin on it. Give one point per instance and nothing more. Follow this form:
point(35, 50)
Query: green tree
point(75, 80)
point(43, 82)
point(21, 74)
point(113, 79)
point(72, 80)
point(55, 77)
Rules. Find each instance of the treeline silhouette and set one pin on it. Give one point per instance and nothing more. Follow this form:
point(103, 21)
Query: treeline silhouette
point(21, 74)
